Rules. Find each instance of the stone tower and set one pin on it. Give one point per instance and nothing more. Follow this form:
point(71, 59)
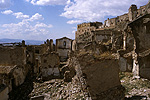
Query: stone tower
point(132, 12)
point(23, 43)
point(51, 45)
point(48, 42)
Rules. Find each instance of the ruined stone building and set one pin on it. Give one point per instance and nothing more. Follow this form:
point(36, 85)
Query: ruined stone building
point(13, 67)
point(138, 31)
point(108, 35)
point(38, 50)
point(17, 59)
point(50, 65)
point(98, 53)
point(83, 33)
point(63, 47)
point(127, 34)
point(44, 59)
point(136, 42)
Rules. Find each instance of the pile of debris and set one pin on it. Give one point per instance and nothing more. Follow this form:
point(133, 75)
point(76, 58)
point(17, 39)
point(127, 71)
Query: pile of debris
point(136, 89)
point(57, 89)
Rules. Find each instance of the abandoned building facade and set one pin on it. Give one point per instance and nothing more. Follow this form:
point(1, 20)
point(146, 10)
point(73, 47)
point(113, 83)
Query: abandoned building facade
point(63, 47)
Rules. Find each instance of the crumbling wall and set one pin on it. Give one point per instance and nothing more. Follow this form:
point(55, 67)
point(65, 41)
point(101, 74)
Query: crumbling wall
point(12, 56)
point(125, 64)
point(144, 63)
point(16, 58)
point(99, 74)
point(49, 65)
point(132, 12)
point(141, 34)
point(30, 55)
point(63, 54)
point(124, 17)
point(12, 76)
point(110, 22)
point(19, 76)
point(64, 43)
point(39, 49)
point(63, 47)
point(4, 93)
point(102, 36)
point(74, 45)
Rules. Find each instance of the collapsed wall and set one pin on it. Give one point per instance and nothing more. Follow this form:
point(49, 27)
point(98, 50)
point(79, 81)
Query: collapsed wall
point(99, 75)
point(49, 65)
point(13, 66)
point(12, 56)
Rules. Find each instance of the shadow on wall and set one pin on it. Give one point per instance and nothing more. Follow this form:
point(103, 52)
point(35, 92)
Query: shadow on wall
point(21, 92)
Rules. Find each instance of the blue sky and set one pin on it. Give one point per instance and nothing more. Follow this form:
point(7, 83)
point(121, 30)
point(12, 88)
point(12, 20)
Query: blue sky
point(46, 19)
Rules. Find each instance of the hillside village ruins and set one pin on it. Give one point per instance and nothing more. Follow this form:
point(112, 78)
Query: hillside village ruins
point(94, 59)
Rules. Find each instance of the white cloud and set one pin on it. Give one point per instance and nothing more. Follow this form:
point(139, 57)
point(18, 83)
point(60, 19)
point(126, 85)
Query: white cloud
point(74, 21)
point(26, 30)
point(48, 2)
point(5, 4)
point(90, 10)
point(37, 16)
point(40, 25)
point(7, 12)
point(20, 15)
point(97, 10)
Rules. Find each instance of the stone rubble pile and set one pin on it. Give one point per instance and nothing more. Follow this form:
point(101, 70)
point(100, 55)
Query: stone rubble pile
point(60, 90)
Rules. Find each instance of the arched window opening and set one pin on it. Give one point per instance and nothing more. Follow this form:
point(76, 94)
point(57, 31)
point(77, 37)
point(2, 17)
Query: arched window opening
point(64, 43)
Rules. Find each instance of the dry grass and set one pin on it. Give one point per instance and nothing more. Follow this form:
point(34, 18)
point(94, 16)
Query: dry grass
point(105, 55)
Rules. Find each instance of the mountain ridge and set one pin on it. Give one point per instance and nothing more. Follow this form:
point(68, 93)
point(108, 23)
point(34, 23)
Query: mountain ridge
point(28, 42)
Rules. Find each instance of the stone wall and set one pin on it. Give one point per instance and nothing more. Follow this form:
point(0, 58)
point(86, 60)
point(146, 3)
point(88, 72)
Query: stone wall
point(19, 75)
point(4, 93)
point(64, 43)
point(141, 32)
point(63, 47)
point(12, 56)
point(30, 55)
point(84, 30)
point(144, 63)
point(39, 49)
point(138, 33)
point(13, 61)
point(102, 36)
point(125, 64)
point(12, 76)
point(49, 65)
point(99, 75)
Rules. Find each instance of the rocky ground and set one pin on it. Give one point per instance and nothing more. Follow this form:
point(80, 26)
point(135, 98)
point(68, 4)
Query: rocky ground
point(136, 89)
point(57, 89)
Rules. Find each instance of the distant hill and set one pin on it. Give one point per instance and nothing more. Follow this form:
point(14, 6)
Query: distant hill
point(28, 42)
